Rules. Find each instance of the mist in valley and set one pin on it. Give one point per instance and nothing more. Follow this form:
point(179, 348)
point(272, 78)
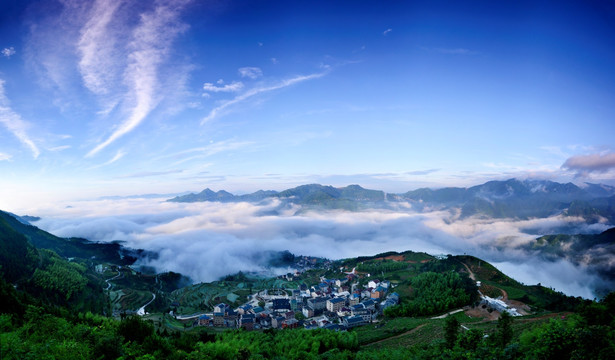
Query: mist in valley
point(208, 240)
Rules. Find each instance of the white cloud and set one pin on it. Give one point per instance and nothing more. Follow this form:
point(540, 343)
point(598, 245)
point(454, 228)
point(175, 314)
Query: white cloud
point(385, 32)
point(235, 234)
point(8, 52)
point(250, 72)
point(209, 150)
point(14, 123)
point(150, 45)
point(120, 154)
point(259, 90)
point(232, 87)
point(59, 148)
point(561, 275)
point(584, 165)
point(5, 157)
point(97, 47)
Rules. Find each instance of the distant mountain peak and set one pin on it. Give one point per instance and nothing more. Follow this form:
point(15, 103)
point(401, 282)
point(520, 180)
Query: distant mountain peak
point(511, 198)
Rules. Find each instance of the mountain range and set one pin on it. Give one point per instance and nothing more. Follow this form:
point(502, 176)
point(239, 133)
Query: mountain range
point(513, 198)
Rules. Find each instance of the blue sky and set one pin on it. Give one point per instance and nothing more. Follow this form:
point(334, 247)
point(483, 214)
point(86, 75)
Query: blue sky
point(114, 97)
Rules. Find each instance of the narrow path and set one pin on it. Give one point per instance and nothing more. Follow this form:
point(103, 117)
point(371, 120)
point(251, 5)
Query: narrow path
point(469, 271)
point(113, 278)
point(447, 314)
point(397, 336)
point(141, 310)
point(504, 294)
point(193, 316)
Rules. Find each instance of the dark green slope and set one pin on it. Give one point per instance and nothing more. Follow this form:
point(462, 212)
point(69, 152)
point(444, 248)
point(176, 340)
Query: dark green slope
point(18, 257)
point(44, 275)
point(71, 247)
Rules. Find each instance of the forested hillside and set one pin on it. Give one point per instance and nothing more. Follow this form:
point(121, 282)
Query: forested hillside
point(59, 309)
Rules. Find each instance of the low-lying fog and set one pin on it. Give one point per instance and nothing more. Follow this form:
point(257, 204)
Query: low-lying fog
point(208, 240)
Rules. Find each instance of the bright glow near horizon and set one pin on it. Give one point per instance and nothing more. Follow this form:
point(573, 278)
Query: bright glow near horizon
point(117, 97)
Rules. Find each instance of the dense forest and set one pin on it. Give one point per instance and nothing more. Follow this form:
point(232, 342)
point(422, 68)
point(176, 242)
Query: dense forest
point(434, 293)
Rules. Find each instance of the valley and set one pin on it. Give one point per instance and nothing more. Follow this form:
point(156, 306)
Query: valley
point(389, 302)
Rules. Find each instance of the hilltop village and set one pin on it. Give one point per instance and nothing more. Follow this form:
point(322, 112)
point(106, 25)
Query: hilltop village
point(332, 304)
point(305, 299)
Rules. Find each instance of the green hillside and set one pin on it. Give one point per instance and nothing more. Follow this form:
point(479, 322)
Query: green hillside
point(54, 308)
point(70, 247)
point(18, 258)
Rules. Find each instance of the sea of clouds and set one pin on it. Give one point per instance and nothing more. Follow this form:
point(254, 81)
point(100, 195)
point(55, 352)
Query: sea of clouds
point(208, 240)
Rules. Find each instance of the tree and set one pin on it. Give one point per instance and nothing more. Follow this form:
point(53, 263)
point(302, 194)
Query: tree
point(469, 340)
point(135, 329)
point(451, 329)
point(504, 329)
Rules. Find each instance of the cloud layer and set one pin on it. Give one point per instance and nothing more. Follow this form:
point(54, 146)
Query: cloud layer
point(208, 240)
point(584, 165)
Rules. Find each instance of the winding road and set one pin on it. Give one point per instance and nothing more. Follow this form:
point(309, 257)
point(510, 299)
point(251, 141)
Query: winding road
point(113, 278)
point(141, 310)
point(193, 316)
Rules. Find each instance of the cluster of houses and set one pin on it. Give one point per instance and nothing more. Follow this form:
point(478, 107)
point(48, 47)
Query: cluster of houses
point(332, 304)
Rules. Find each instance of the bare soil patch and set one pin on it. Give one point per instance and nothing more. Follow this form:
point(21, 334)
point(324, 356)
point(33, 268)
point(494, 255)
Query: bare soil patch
point(479, 312)
point(391, 257)
point(522, 308)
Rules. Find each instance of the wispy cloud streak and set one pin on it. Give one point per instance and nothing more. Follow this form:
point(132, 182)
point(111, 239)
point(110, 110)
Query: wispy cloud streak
point(209, 150)
point(97, 46)
point(259, 90)
point(149, 47)
point(14, 123)
point(120, 154)
point(151, 173)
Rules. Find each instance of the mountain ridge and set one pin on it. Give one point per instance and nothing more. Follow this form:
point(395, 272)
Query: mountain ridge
point(497, 198)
